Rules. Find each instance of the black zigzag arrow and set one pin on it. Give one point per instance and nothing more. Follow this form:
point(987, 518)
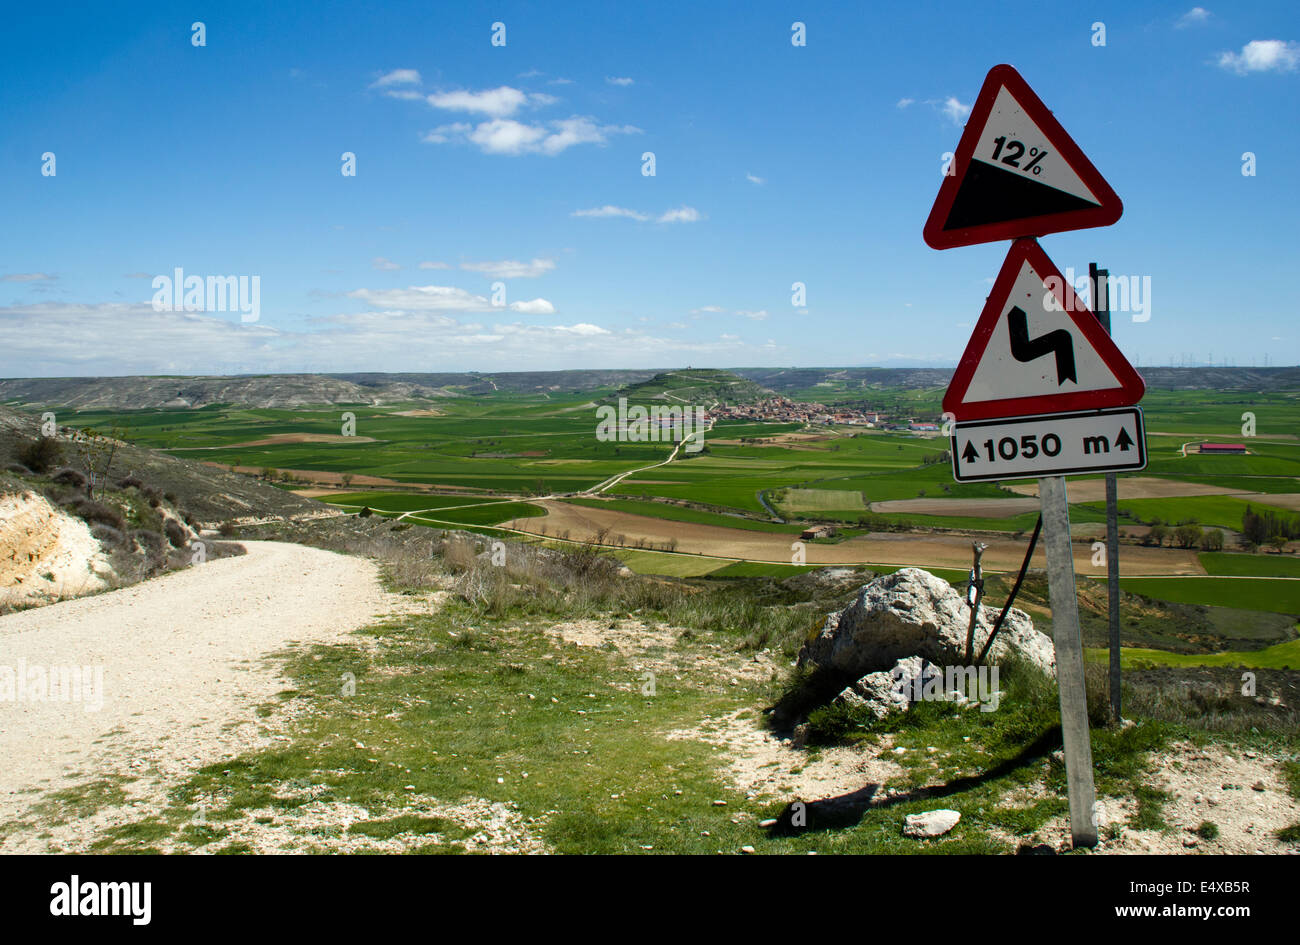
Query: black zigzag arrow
point(1025, 349)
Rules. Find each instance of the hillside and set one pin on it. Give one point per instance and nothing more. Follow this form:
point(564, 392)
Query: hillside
point(705, 386)
point(702, 387)
point(293, 390)
point(210, 495)
point(843, 380)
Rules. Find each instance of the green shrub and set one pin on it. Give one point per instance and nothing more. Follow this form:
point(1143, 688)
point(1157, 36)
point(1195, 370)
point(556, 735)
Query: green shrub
point(92, 512)
point(41, 454)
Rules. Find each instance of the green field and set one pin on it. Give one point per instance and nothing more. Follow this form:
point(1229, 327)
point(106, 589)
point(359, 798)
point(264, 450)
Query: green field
point(1219, 510)
point(1281, 656)
point(1278, 596)
point(400, 501)
point(1259, 565)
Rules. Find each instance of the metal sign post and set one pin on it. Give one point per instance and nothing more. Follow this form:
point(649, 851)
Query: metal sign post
point(1069, 660)
point(1101, 307)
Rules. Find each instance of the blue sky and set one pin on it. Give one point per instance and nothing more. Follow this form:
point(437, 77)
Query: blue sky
point(522, 164)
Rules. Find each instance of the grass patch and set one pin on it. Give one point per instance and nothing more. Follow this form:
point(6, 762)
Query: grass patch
point(1281, 597)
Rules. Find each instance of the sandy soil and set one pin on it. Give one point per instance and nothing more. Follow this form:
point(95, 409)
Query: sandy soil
point(1283, 500)
point(948, 551)
point(1137, 487)
point(422, 412)
point(46, 554)
point(1239, 791)
point(767, 768)
point(184, 663)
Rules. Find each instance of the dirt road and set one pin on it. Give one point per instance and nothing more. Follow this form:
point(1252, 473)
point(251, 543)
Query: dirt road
point(183, 663)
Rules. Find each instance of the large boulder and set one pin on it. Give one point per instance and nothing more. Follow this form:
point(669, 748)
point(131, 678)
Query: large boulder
point(913, 613)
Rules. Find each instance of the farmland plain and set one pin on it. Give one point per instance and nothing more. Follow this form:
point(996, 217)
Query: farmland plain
point(530, 465)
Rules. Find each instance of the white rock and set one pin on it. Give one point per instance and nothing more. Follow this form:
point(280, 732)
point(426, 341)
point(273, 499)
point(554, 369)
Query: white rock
point(933, 823)
point(914, 613)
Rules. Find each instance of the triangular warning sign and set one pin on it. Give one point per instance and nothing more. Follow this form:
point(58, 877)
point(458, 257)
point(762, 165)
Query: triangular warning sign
point(1037, 349)
point(1016, 173)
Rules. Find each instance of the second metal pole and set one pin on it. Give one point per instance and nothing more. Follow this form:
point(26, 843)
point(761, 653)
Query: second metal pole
point(1101, 307)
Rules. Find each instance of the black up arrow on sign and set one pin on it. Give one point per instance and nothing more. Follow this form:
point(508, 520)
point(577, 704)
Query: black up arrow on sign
point(1123, 441)
point(1023, 348)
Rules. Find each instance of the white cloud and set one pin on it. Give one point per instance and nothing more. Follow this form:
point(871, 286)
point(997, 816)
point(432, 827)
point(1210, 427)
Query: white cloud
point(681, 215)
point(951, 107)
point(610, 211)
point(445, 133)
point(442, 298)
point(533, 307)
point(760, 315)
point(59, 339)
point(511, 269)
point(500, 102)
point(560, 82)
point(571, 131)
point(508, 136)
point(1262, 55)
point(617, 80)
point(28, 277)
point(708, 310)
point(434, 265)
point(424, 298)
point(384, 265)
point(754, 179)
point(396, 77)
point(1193, 17)
point(954, 110)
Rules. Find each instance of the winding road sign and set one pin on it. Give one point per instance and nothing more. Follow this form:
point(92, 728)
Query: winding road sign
point(1037, 349)
point(1060, 444)
point(1016, 172)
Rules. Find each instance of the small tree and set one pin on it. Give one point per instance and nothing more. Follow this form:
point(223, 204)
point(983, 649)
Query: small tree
point(1188, 536)
point(347, 479)
point(1158, 534)
point(96, 451)
point(1212, 540)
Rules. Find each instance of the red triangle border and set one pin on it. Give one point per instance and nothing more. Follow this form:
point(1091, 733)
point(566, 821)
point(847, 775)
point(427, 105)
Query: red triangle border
point(1108, 212)
point(1131, 388)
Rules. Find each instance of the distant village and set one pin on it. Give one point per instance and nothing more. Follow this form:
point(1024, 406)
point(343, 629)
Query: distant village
point(783, 410)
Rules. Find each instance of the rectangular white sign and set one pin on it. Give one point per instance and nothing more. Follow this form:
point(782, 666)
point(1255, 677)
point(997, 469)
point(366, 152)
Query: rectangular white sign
point(1059, 444)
